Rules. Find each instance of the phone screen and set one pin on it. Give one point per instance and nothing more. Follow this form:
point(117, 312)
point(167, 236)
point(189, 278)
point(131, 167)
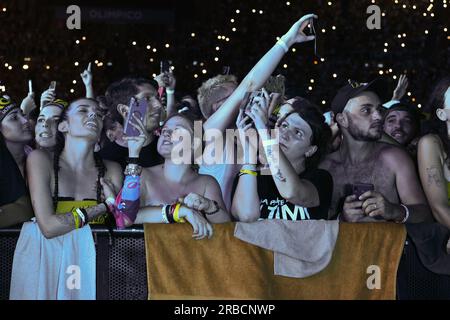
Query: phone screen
point(138, 109)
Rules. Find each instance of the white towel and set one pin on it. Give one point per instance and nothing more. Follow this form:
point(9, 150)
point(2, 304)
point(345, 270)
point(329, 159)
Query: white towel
point(301, 248)
point(62, 268)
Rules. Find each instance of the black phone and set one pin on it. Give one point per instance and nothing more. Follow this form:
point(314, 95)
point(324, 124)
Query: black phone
point(165, 66)
point(313, 28)
point(360, 188)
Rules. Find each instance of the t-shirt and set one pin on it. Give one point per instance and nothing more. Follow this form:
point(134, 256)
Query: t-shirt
point(12, 184)
point(274, 206)
point(148, 157)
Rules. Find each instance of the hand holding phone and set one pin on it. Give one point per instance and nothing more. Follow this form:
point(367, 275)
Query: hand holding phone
point(359, 189)
point(139, 109)
point(52, 85)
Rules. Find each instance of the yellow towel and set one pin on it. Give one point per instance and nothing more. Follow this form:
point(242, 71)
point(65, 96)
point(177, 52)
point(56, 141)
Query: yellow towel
point(224, 267)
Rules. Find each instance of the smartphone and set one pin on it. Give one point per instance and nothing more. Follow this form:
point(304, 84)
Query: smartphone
point(313, 26)
point(226, 70)
point(139, 108)
point(52, 85)
point(360, 188)
point(30, 86)
point(165, 66)
point(327, 116)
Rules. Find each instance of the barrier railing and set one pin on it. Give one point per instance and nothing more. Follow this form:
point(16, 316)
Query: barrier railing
point(122, 274)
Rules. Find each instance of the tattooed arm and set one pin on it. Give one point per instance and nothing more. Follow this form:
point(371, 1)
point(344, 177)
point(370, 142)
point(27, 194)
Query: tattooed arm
point(431, 169)
point(298, 191)
point(39, 168)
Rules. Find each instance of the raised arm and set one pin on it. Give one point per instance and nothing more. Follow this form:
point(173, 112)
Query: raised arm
point(86, 76)
point(433, 179)
point(245, 206)
point(295, 190)
point(255, 79)
point(39, 180)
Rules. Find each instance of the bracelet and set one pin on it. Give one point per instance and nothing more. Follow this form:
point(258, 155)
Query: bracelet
point(217, 208)
point(133, 170)
point(132, 160)
point(170, 91)
point(406, 214)
point(246, 171)
point(283, 45)
point(176, 213)
point(169, 213)
point(82, 214)
point(163, 213)
point(76, 218)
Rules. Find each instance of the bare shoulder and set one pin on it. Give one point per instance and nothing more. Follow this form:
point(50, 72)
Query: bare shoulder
point(430, 141)
point(330, 160)
point(39, 158)
point(392, 155)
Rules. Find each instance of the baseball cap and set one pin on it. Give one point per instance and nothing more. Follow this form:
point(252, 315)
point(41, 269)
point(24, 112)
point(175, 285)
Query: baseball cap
point(352, 89)
point(6, 106)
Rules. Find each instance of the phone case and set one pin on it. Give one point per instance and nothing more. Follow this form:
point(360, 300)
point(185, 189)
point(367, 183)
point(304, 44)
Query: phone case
point(138, 108)
point(361, 188)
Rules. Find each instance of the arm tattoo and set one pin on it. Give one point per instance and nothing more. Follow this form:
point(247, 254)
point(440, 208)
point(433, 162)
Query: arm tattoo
point(66, 219)
point(433, 176)
point(95, 211)
point(279, 176)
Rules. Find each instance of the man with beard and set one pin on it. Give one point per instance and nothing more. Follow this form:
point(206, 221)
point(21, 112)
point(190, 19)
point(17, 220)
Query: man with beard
point(402, 123)
point(372, 180)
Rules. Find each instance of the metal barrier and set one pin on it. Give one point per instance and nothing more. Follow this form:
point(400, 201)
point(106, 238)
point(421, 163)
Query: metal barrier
point(122, 274)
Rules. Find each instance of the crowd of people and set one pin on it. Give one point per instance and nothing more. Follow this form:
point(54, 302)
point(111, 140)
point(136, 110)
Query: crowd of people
point(96, 160)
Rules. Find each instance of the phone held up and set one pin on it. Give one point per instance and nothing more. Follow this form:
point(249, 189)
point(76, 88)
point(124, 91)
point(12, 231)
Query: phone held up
point(138, 109)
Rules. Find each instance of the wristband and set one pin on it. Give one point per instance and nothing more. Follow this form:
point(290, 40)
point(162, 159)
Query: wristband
point(246, 171)
point(170, 91)
point(406, 214)
point(132, 160)
point(283, 45)
point(216, 209)
point(176, 212)
point(163, 213)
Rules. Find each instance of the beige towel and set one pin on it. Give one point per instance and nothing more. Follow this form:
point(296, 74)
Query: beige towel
point(301, 248)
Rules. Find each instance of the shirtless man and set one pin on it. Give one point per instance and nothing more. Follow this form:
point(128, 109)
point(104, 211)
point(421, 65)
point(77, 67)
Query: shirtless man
point(397, 194)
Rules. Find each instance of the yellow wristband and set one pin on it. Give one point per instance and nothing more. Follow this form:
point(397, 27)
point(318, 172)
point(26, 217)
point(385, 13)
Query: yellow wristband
point(76, 218)
point(176, 213)
point(250, 172)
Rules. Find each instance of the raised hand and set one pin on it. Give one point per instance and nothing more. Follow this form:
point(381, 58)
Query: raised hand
point(296, 34)
point(136, 143)
point(47, 96)
point(28, 104)
point(86, 76)
point(400, 90)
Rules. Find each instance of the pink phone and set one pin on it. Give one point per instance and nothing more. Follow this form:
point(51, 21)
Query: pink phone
point(138, 108)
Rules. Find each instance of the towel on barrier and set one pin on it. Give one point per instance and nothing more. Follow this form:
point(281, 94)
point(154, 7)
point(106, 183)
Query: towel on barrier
point(363, 265)
point(301, 248)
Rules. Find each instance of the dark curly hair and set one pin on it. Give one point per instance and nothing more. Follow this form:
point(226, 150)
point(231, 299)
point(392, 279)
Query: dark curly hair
point(321, 132)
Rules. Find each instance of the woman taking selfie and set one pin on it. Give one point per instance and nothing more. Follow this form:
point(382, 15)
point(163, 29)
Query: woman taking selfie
point(294, 189)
